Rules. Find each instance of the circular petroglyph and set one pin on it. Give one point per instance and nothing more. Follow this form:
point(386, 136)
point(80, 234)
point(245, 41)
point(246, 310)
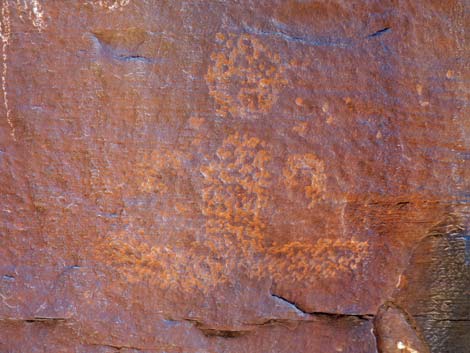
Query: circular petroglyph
point(245, 77)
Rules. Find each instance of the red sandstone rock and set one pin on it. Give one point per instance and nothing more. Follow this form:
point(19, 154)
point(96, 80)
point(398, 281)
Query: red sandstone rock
point(231, 176)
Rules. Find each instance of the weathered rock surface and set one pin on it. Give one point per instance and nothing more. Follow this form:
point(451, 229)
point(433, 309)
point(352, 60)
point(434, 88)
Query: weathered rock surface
point(234, 176)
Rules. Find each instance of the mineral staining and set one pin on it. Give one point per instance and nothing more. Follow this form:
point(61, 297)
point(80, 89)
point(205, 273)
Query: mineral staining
point(31, 9)
point(111, 5)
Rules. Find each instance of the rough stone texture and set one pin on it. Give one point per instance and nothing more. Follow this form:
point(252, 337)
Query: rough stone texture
point(396, 332)
point(435, 289)
point(234, 176)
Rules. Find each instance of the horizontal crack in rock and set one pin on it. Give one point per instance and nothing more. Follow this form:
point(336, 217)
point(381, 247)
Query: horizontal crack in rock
point(379, 32)
point(228, 332)
point(34, 319)
point(214, 331)
point(118, 347)
point(324, 314)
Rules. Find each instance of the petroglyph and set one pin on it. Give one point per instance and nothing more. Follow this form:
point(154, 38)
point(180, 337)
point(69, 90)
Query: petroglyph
point(235, 191)
point(246, 76)
point(306, 171)
point(326, 258)
point(162, 266)
point(206, 267)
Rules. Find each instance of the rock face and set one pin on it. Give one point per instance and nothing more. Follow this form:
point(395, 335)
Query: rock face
point(234, 176)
